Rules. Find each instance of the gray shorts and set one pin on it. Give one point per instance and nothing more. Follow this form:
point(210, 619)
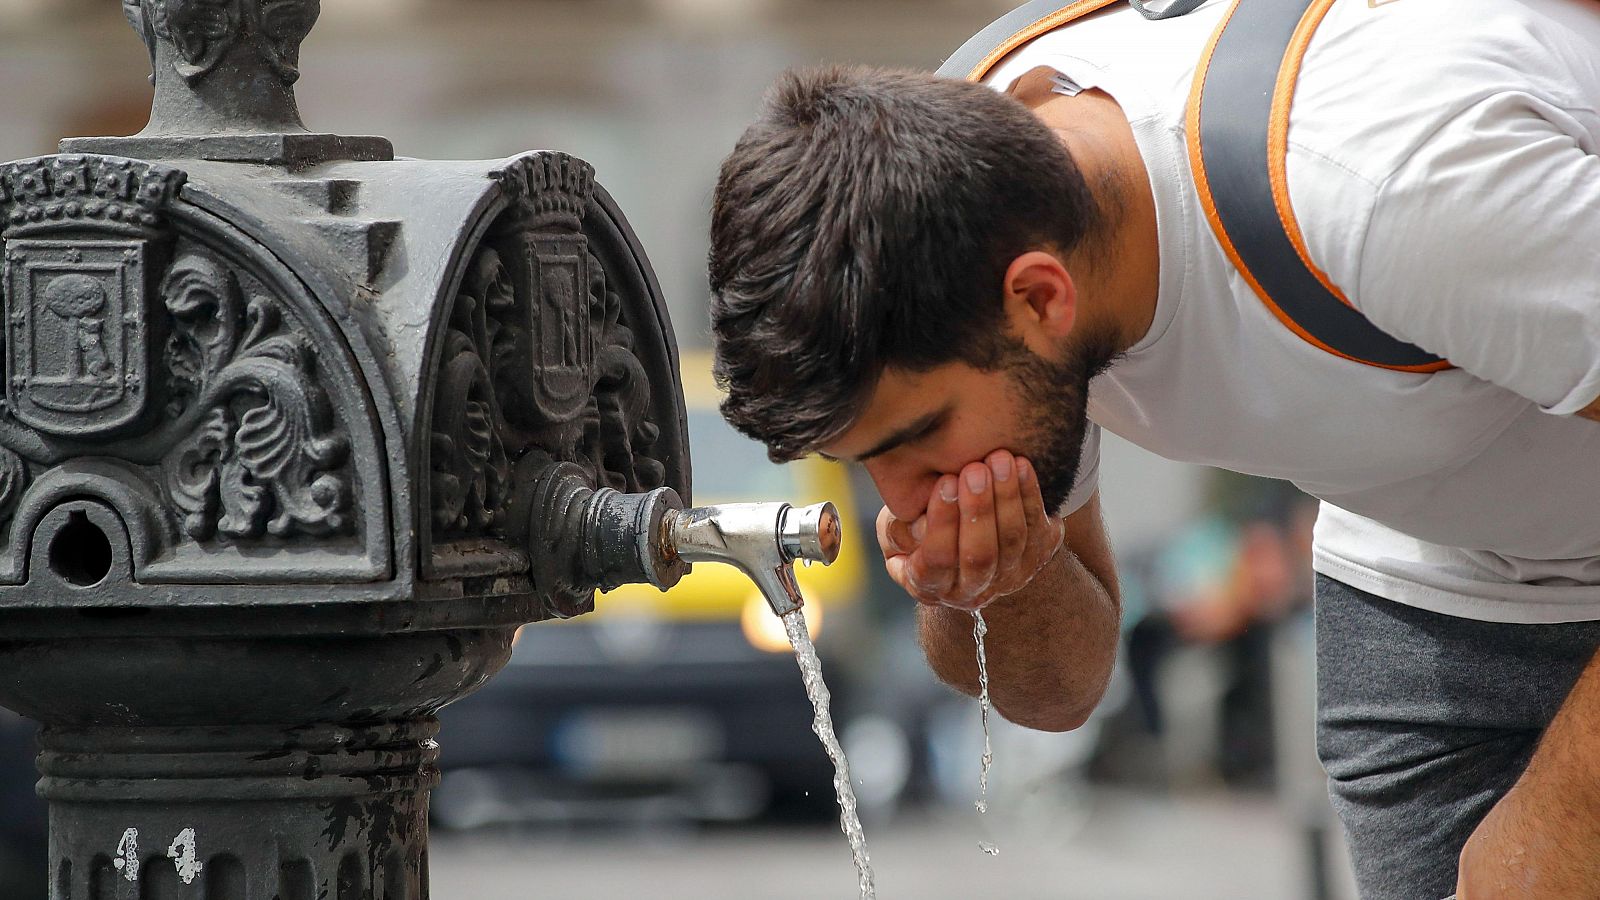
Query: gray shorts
point(1423, 722)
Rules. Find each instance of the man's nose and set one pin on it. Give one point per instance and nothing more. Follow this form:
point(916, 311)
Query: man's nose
point(904, 492)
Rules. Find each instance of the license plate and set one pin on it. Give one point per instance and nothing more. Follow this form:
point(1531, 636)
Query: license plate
point(635, 743)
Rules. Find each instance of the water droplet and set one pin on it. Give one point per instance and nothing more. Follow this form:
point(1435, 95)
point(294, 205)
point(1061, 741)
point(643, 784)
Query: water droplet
point(982, 806)
point(988, 848)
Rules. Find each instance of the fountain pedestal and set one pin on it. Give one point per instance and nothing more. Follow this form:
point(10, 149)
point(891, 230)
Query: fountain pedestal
point(281, 415)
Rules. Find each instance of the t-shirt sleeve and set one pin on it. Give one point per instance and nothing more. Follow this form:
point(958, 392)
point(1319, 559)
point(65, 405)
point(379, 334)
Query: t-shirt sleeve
point(1481, 249)
point(1088, 480)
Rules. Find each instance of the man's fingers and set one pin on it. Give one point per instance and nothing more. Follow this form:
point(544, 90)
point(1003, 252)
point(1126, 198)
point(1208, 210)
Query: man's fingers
point(1010, 519)
point(899, 571)
point(895, 536)
point(1046, 532)
point(894, 539)
point(979, 546)
point(934, 564)
point(885, 542)
point(1032, 501)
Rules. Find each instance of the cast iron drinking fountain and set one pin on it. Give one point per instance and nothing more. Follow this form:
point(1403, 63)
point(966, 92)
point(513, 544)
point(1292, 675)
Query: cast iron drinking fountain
point(295, 435)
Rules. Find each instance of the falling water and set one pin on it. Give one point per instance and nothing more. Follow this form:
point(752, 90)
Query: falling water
point(980, 629)
point(822, 724)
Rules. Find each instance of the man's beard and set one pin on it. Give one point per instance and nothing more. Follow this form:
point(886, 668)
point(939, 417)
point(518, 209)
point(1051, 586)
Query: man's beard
point(1054, 395)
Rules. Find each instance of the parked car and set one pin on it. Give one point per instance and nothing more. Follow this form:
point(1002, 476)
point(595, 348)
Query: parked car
point(688, 702)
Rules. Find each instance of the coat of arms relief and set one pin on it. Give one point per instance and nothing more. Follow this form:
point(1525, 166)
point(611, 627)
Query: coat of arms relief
point(538, 359)
point(128, 339)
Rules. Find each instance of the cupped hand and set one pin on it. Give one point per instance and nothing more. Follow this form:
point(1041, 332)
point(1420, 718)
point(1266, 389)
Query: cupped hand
point(985, 535)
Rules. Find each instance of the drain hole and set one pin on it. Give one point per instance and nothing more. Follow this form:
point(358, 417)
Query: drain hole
point(80, 552)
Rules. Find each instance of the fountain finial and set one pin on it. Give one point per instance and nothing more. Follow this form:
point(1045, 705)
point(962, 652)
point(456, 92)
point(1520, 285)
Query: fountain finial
point(224, 74)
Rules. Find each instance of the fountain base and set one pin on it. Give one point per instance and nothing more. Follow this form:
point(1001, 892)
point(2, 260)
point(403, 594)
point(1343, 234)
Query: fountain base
point(323, 811)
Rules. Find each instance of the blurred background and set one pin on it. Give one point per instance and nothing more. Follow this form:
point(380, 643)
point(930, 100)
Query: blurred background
point(662, 747)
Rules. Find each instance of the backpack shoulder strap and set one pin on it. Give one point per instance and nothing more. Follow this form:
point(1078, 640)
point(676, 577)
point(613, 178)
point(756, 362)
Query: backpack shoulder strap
point(975, 59)
point(1243, 90)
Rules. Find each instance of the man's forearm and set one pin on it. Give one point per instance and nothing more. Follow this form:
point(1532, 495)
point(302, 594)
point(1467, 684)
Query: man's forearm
point(1569, 752)
point(1543, 838)
point(1050, 646)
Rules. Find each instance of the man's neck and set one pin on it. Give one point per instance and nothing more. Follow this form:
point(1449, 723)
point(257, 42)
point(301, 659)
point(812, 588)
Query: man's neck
point(1118, 270)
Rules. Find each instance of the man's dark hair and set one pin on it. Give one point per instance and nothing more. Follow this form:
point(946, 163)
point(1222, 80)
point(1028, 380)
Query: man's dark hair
point(867, 220)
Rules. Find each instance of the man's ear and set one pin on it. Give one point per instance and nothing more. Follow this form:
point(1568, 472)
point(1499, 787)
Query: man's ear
point(1041, 300)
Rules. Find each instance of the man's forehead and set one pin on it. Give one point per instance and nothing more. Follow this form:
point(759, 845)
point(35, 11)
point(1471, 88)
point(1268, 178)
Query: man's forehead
point(899, 404)
point(875, 435)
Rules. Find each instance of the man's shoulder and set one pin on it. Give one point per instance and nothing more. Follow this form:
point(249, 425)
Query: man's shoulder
point(1382, 76)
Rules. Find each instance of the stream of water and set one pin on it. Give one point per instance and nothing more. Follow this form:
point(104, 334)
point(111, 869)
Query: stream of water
point(822, 724)
point(980, 629)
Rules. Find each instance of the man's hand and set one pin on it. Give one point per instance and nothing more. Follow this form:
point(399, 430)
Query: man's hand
point(985, 535)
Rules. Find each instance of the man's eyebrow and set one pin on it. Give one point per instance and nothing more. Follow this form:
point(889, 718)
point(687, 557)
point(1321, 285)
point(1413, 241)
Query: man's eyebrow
point(909, 433)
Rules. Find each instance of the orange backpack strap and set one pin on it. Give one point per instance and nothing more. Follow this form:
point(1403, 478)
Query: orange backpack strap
point(1243, 90)
point(977, 57)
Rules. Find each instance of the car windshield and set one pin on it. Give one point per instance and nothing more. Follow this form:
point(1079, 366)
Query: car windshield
point(728, 466)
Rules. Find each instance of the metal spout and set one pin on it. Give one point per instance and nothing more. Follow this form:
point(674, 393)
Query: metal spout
point(581, 539)
point(762, 539)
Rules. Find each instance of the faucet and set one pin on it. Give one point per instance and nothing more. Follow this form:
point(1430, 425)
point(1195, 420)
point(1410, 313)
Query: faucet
point(581, 538)
point(762, 539)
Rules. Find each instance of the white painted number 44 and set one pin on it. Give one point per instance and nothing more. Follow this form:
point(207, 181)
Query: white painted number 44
point(182, 854)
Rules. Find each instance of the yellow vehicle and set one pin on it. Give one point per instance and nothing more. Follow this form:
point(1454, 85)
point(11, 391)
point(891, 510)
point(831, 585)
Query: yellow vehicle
point(690, 697)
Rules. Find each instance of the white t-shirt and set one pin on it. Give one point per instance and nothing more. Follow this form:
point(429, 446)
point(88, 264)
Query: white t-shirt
point(1443, 169)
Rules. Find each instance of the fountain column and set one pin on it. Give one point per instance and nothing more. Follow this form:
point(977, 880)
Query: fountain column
point(284, 424)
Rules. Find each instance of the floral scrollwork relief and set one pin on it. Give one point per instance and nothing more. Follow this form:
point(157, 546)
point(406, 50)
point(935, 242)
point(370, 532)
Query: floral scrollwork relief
point(13, 478)
point(265, 457)
point(624, 441)
point(471, 474)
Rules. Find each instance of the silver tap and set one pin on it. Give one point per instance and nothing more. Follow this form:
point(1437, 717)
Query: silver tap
point(580, 539)
point(762, 539)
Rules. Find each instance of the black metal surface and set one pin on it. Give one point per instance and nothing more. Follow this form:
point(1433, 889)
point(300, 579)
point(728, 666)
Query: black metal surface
point(269, 442)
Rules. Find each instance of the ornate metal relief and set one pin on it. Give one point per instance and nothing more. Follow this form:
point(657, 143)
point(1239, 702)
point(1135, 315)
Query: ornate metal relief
point(537, 357)
point(203, 31)
point(121, 334)
point(266, 457)
point(13, 479)
point(77, 310)
point(470, 476)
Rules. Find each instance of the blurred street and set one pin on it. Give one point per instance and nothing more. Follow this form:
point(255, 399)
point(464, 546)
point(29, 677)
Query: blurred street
point(1121, 846)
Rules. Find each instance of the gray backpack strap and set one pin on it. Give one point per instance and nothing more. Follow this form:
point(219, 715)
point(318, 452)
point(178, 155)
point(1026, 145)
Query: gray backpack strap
point(1028, 21)
point(971, 62)
point(1238, 151)
point(1173, 10)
